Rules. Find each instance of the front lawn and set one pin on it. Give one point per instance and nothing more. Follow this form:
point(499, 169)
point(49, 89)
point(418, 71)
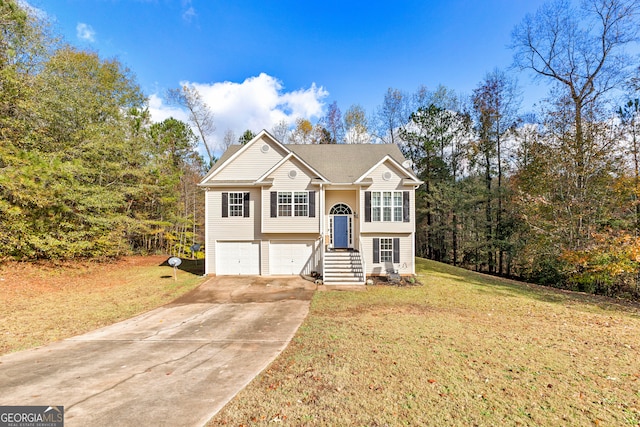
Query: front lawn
point(463, 349)
point(42, 303)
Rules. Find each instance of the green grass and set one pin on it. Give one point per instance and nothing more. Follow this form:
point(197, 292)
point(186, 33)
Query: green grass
point(42, 303)
point(463, 349)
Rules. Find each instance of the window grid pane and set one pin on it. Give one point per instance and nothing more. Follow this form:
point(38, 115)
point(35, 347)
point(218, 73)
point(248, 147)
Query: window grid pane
point(284, 204)
point(386, 206)
point(301, 206)
point(293, 203)
point(301, 210)
point(387, 214)
point(397, 206)
point(284, 210)
point(386, 250)
point(375, 214)
point(236, 204)
point(397, 213)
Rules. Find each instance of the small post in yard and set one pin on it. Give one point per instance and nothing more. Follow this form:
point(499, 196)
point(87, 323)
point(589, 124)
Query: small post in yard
point(174, 262)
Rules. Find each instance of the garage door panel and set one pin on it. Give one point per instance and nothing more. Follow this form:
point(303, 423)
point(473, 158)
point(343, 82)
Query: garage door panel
point(290, 257)
point(237, 258)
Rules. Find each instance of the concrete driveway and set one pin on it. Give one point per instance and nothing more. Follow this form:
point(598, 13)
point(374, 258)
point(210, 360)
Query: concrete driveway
point(174, 366)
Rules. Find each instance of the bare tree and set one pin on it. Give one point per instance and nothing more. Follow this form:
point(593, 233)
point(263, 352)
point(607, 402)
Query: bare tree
point(585, 57)
point(281, 131)
point(229, 139)
point(332, 122)
point(392, 115)
point(200, 114)
point(582, 52)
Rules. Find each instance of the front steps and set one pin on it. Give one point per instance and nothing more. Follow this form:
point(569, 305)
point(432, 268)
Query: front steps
point(343, 268)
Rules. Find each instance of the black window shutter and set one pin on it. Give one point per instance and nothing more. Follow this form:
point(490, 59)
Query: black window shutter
point(367, 206)
point(225, 205)
point(246, 205)
point(405, 207)
point(312, 204)
point(274, 204)
point(396, 250)
point(376, 250)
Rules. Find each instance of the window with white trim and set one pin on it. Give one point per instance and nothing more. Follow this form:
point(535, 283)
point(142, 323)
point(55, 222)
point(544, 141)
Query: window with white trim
point(397, 206)
point(236, 204)
point(301, 203)
point(293, 203)
point(284, 204)
point(387, 206)
point(386, 250)
point(376, 206)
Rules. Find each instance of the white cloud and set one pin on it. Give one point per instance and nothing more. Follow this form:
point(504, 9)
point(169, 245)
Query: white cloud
point(85, 32)
point(189, 12)
point(257, 103)
point(160, 111)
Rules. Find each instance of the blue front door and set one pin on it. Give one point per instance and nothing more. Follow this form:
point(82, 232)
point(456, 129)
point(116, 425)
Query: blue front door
point(341, 231)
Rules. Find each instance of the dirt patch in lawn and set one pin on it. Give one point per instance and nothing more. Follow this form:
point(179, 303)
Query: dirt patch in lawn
point(45, 302)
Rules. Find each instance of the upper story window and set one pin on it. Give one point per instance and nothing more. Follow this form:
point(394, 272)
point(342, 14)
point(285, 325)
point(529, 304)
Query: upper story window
point(387, 206)
point(284, 204)
point(235, 204)
point(301, 203)
point(293, 203)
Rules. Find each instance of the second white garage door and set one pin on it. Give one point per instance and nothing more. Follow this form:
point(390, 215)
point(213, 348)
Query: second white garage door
point(237, 258)
point(290, 257)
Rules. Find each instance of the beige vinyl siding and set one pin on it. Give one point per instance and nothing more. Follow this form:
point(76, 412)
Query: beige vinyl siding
point(252, 163)
point(234, 228)
point(393, 184)
point(348, 197)
point(405, 266)
point(230, 228)
point(283, 182)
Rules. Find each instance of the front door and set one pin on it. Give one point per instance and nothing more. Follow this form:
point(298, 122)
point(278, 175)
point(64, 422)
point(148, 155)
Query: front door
point(340, 231)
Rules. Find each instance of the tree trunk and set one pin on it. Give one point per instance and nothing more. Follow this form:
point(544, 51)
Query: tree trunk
point(488, 219)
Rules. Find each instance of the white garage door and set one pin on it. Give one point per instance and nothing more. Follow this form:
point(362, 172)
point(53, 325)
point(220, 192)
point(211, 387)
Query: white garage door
point(290, 257)
point(237, 258)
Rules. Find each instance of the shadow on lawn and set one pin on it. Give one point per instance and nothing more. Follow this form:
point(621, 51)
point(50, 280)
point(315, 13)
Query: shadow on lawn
point(188, 265)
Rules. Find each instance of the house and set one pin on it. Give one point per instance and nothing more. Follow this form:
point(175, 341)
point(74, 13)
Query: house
point(343, 211)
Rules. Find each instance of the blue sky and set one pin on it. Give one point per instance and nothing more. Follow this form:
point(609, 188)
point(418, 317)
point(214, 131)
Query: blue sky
point(285, 59)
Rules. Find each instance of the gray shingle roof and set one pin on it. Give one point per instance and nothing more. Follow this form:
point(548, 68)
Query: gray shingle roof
point(345, 163)
point(339, 163)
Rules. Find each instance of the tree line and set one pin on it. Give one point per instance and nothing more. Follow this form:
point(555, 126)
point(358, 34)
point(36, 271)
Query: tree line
point(83, 171)
point(550, 196)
